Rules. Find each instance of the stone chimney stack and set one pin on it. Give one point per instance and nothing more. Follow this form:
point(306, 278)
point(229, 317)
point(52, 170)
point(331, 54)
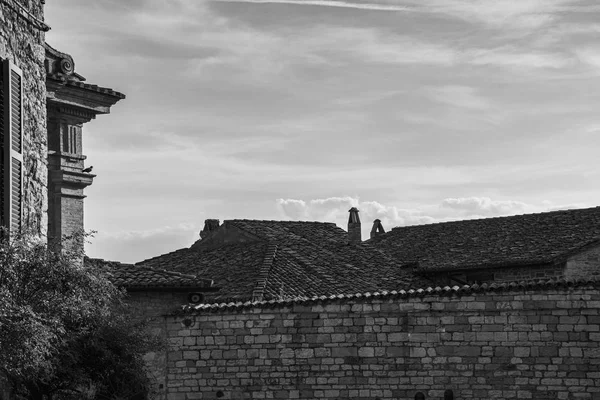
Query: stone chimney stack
point(354, 235)
point(210, 225)
point(377, 228)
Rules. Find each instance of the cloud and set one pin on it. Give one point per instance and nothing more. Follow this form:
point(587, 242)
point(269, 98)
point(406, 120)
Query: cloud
point(484, 206)
point(511, 56)
point(459, 96)
point(329, 209)
point(590, 56)
point(133, 246)
point(335, 209)
point(522, 14)
point(326, 3)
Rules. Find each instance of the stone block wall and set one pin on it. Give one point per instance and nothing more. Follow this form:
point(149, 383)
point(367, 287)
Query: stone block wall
point(22, 43)
point(526, 273)
point(532, 343)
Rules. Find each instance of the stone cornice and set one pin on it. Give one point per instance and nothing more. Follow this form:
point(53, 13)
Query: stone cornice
point(73, 113)
point(69, 94)
point(71, 179)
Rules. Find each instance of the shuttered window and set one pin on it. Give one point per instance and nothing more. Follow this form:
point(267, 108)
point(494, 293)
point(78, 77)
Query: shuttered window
point(11, 140)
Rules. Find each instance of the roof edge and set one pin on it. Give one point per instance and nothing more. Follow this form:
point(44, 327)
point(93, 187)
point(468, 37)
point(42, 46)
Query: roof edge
point(465, 290)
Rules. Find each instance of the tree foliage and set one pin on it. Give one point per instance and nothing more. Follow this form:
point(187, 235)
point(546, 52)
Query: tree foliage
point(65, 331)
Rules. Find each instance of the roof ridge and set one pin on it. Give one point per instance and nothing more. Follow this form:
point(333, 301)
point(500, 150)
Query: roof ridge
point(265, 269)
point(410, 293)
point(96, 259)
point(283, 221)
point(487, 218)
point(160, 255)
point(176, 273)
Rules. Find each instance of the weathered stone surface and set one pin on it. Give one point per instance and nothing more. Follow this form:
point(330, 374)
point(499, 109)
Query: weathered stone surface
point(22, 43)
point(513, 349)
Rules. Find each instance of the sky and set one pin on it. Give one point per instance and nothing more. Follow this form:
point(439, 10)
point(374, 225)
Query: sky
point(414, 111)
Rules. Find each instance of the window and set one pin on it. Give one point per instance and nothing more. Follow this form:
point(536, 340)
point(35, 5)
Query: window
point(11, 142)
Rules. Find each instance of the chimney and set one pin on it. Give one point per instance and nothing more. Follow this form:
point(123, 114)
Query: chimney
point(210, 225)
point(377, 228)
point(354, 235)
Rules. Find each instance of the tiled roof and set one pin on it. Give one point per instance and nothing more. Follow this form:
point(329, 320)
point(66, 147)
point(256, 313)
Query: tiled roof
point(521, 240)
point(289, 259)
point(465, 290)
point(133, 277)
point(320, 232)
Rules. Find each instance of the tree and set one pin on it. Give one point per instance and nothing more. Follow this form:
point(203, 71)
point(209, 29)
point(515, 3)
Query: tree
point(64, 328)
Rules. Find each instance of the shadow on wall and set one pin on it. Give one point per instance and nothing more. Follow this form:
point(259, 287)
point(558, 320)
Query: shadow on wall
point(448, 395)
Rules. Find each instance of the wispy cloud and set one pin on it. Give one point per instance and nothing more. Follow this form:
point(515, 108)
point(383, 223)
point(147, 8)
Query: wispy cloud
point(513, 57)
point(327, 3)
point(335, 209)
point(459, 96)
point(590, 56)
point(522, 14)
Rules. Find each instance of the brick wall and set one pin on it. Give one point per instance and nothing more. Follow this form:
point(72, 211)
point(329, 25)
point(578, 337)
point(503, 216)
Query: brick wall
point(539, 343)
point(23, 44)
point(585, 264)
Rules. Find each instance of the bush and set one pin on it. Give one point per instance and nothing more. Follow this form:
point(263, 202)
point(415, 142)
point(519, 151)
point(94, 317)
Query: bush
point(64, 328)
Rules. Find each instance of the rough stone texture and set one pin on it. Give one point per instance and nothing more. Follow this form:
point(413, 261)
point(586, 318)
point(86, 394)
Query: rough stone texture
point(521, 274)
point(585, 264)
point(23, 44)
point(153, 305)
point(517, 344)
point(512, 274)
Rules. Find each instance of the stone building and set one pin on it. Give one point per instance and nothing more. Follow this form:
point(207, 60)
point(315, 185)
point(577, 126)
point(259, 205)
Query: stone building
point(266, 260)
point(558, 244)
point(23, 136)
point(305, 310)
point(531, 340)
point(43, 106)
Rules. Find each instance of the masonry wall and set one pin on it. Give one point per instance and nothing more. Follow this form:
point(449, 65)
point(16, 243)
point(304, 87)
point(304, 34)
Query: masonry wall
point(584, 265)
point(521, 274)
point(152, 306)
point(23, 44)
point(535, 344)
point(490, 275)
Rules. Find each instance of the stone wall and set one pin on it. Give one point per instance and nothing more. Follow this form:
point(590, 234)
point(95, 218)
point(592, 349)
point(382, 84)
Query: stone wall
point(530, 272)
point(22, 43)
point(510, 274)
point(538, 342)
point(152, 306)
point(585, 264)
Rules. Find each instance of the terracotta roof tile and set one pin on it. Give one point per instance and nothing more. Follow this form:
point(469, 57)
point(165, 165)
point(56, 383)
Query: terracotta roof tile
point(521, 240)
point(133, 277)
point(290, 259)
point(466, 290)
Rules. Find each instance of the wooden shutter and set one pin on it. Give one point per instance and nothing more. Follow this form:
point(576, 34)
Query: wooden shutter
point(11, 132)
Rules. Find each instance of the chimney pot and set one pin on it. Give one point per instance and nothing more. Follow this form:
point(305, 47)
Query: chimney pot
point(210, 225)
point(377, 228)
point(354, 234)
